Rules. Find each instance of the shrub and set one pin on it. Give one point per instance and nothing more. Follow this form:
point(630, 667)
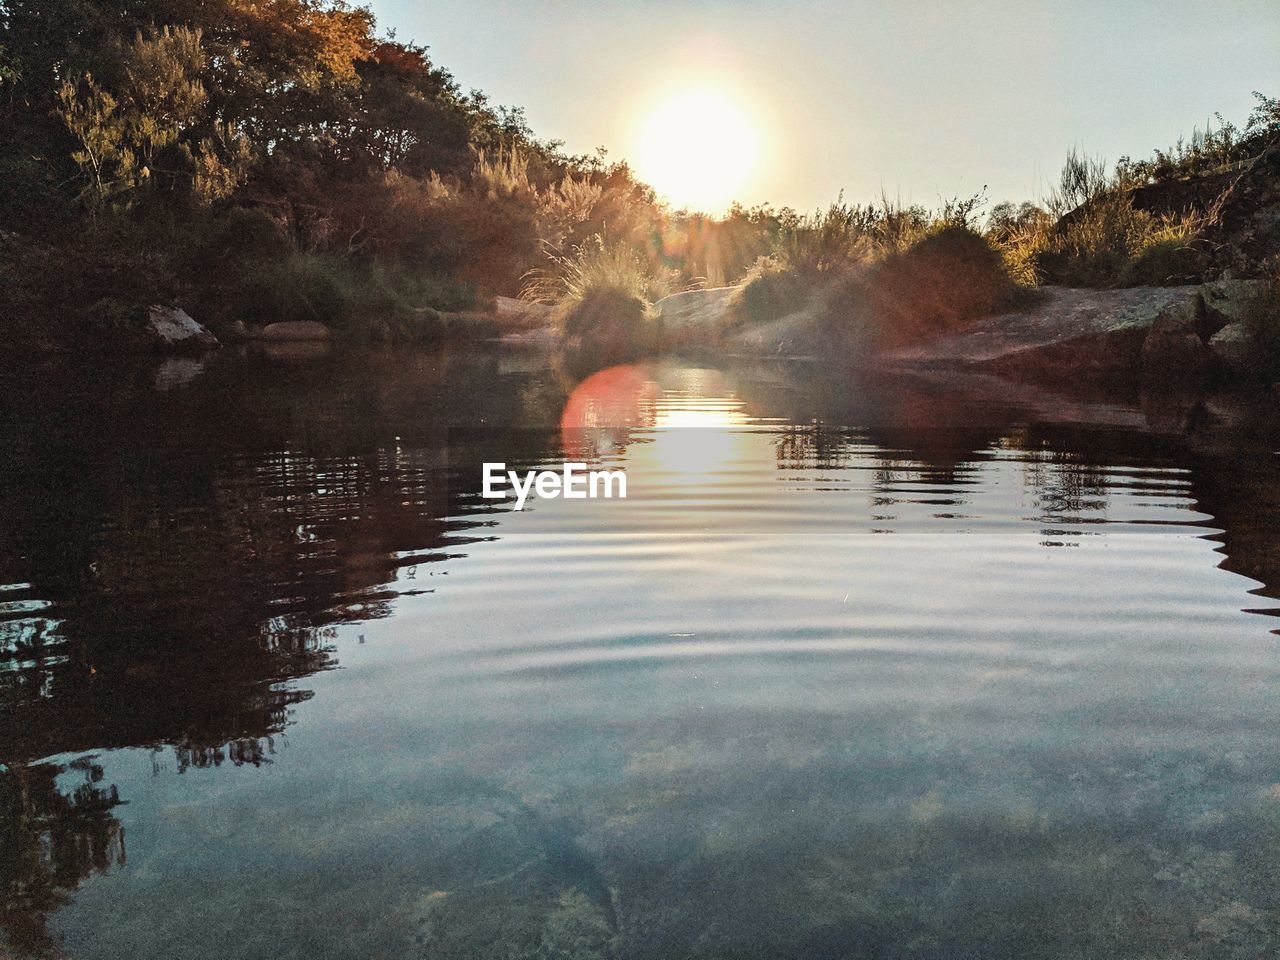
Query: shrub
point(249, 234)
point(1212, 149)
point(1167, 262)
point(828, 242)
point(944, 282)
point(298, 287)
point(1020, 233)
point(939, 285)
point(594, 265)
point(346, 295)
point(1109, 243)
point(770, 291)
point(608, 325)
point(1093, 236)
point(817, 251)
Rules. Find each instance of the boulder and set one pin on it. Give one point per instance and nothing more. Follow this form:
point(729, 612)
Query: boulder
point(695, 308)
point(234, 332)
point(1070, 333)
point(294, 331)
point(795, 335)
point(1235, 347)
point(1174, 356)
point(175, 372)
point(172, 330)
point(1231, 301)
point(509, 308)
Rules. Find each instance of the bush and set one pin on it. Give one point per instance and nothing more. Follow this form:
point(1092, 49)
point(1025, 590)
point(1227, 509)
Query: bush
point(829, 242)
point(1167, 262)
point(249, 234)
point(299, 287)
point(1093, 236)
point(595, 265)
point(608, 325)
point(770, 291)
point(346, 295)
point(941, 284)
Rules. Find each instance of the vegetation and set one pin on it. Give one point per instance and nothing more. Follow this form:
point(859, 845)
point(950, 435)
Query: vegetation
point(887, 273)
point(770, 290)
point(1092, 232)
point(1093, 235)
point(942, 283)
point(1211, 150)
point(259, 162)
point(878, 274)
point(282, 161)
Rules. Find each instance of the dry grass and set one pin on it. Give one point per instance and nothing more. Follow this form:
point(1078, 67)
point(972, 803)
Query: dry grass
point(595, 265)
point(821, 250)
point(1088, 233)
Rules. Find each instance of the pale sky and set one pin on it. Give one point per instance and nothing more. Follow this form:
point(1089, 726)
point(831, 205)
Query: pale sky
point(924, 100)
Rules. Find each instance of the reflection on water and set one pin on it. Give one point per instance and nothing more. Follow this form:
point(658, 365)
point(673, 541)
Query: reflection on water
point(911, 669)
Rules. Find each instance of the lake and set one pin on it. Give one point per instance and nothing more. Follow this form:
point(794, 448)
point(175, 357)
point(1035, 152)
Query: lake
point(916, 666)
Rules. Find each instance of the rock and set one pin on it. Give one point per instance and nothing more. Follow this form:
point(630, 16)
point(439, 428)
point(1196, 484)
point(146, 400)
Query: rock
point(1168, 411)
point(1235, 347)
point(1070, 334)
point(795, 335)
point(1231, 301)
point(176, 372)
point(1173, 354)
point(296, 351)
point(542, 337)
point(694, 308)
point(172, 330)
point(511, 308)
point(294, 331)
point(237, 332)
point(1231, 410)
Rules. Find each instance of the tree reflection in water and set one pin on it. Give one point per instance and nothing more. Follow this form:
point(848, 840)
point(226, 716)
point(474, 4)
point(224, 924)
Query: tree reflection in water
point(53, 837)
point(178, 563)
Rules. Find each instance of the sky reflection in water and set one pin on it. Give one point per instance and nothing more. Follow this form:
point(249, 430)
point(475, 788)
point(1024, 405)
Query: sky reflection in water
point(884, 669)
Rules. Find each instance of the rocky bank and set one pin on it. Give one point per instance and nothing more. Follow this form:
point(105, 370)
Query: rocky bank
point(1164, 336)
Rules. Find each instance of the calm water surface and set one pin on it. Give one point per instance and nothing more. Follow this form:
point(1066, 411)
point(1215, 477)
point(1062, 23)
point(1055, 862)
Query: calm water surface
point(859, 669)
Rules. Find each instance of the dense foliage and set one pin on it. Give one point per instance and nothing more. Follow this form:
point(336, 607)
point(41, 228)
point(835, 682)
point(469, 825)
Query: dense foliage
point(279, 159)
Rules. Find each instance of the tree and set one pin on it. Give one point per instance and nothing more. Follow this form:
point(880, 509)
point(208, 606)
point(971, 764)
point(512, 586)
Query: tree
point(162, 113)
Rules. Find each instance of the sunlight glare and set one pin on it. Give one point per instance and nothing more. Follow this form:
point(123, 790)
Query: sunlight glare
point(699, 147)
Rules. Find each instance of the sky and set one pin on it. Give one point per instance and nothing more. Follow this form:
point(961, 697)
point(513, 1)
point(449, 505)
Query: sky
point(921, 100)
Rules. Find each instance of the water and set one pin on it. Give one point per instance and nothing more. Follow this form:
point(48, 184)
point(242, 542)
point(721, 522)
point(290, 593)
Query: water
point(896, 668)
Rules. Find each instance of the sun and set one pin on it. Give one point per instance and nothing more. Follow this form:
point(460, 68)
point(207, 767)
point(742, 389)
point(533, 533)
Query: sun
point(699, 148)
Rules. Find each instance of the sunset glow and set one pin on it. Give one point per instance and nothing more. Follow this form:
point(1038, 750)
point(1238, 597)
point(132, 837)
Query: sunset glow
point(699, 147)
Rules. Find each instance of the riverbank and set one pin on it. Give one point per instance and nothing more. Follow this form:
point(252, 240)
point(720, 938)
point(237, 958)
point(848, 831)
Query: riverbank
point(1170, 337)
